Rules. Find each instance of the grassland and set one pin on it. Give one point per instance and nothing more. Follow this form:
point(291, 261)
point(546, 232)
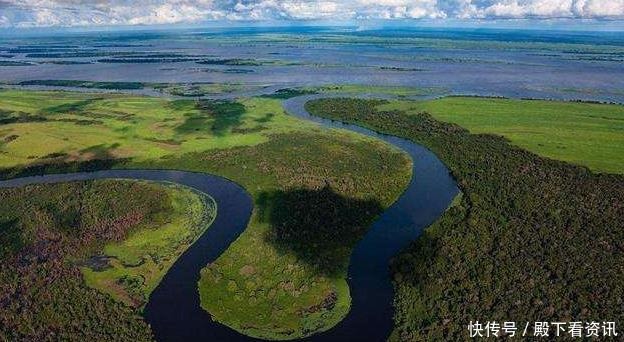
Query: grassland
point(130, 270)
point(202, 89)
point(268, 283)
point(48, 126)
point(85, 84)
point(580, 133)
point(398, 91)
point(533, 239)
point(185, 90)
point(49, 232)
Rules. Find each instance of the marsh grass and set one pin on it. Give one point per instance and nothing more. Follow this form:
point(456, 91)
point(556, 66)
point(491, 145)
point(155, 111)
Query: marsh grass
point(130, 270)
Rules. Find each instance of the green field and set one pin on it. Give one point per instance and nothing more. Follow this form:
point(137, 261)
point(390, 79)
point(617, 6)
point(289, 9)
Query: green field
point(586, 134)
point(50, 126)
point(267, 284)
point(398, 91)
point(135, 266)
point(531, 239)
point(48, 233)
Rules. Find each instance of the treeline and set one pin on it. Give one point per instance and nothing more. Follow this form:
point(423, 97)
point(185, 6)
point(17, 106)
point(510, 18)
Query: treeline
point(533, 239)
point(287, 93)
point(231, 61)
point(44, 231)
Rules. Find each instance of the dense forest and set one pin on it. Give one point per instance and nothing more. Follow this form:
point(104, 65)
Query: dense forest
point(45, 233)
point(532, 239)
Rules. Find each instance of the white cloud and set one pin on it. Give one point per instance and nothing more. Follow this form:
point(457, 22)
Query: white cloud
point(509, 9)
point(599, 8)
point(129, 12)
point(596, 9)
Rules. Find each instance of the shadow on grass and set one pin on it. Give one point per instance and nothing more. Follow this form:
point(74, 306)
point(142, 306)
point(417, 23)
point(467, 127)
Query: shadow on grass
point(102, 151)
point(62, 164)
point(10, 237)
point(319, 226)
point(217, 116)
point(69, 108)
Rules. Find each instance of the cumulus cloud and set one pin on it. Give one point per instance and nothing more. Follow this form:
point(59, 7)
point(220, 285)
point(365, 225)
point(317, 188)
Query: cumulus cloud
point(146, 12)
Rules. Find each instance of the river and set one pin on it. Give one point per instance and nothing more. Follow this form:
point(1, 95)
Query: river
point(173, 310)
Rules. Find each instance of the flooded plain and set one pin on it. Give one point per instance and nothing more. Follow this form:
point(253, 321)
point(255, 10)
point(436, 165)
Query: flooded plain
point(519, 64)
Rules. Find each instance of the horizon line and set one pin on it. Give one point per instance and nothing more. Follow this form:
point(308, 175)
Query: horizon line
point(584, 25)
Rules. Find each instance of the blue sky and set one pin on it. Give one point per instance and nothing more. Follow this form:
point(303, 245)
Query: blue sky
point(62, 13)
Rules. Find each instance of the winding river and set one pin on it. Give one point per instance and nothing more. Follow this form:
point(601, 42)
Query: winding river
point(173, 310)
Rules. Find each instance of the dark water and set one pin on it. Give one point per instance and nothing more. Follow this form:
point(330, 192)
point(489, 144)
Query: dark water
point(173, 309)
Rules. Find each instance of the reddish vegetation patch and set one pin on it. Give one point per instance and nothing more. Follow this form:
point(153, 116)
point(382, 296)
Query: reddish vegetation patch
point(247, 270)
point(48, 228)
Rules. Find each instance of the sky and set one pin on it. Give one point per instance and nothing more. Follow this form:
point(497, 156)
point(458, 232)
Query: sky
point(77, 13)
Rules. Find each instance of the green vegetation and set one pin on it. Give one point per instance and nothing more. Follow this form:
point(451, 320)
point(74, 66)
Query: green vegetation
point(70, 53)
point(200, 89)
point(532, 239)
point(244, 62)
point(48, 231)
point(130, 270)
point(231, 61)
point(581, 133)
point(355, 89)
point(85, 84)
point(400, 69)
point(287, 93)
point(77, 127)
point(345, 39)
point(328, 188)
point(589, 91)
point(267, 284)
point(66, 62)
point(228, 71)
point(38, 48)
point(132, 60)
point(15, 63)
point(190, 90)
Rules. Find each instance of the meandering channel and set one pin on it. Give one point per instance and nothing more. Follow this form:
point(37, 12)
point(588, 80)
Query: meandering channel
point(173, 310)
point(428, 195)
